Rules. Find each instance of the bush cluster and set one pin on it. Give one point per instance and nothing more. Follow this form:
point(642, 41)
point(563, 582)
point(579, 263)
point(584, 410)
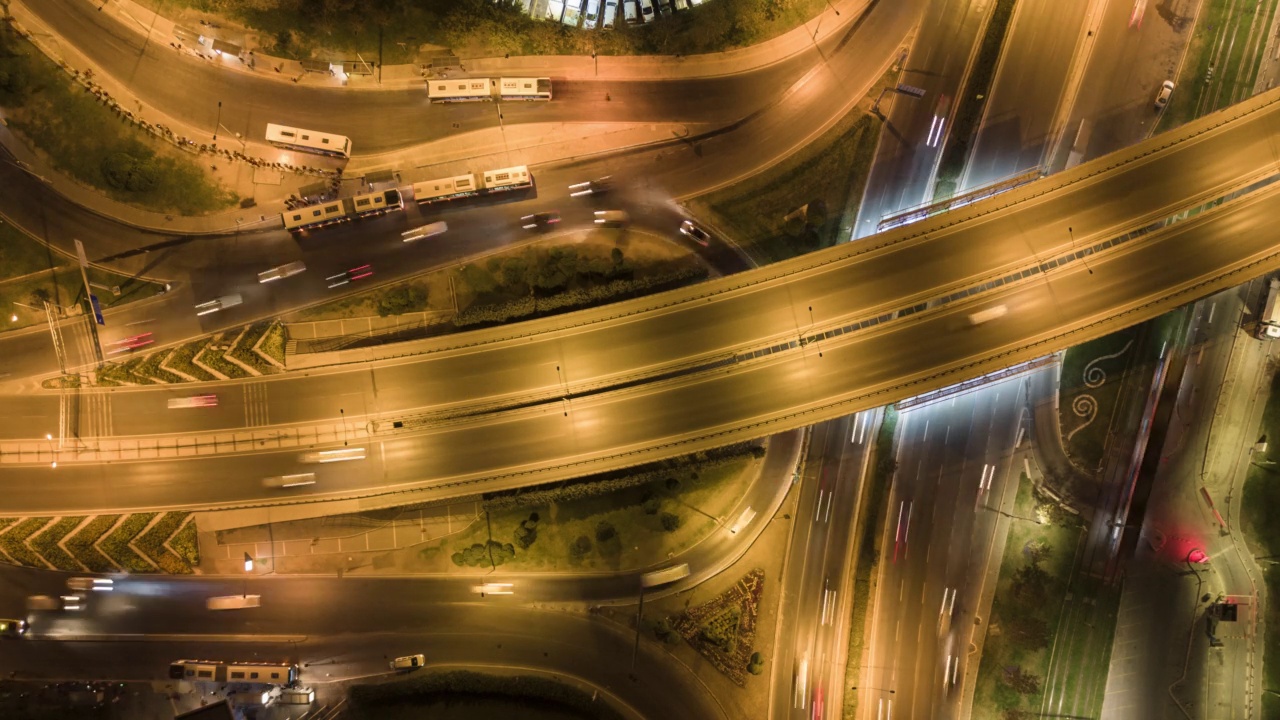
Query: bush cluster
point(150, 367)
point(243, 349)
point(273, 344)
point(580, 547)
point(421, 687)
point(129, 372)
point(527, 531)
point(602, 483)
point(151, 543)
point(670, 521)
point(116, 544)
point(186, 544)
point(213, 358)
point(82, 547)
point(479, 554)
point(181, 359)
point(14, 541)
point(46, 543)
point(134, 171)
point(576, 299)
point(401, 299)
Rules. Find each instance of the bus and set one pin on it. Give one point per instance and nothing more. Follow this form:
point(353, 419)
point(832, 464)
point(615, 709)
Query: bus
point(217, 671)
point(491, 181)
point(524, 88)
point(479, 89)
point(459, 90)
point(342, 210)
point(308, 141)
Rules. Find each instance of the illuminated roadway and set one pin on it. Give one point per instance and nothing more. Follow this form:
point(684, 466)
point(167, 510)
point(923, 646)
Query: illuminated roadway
point(638, 339)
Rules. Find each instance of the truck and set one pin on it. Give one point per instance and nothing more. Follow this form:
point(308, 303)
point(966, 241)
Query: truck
point(1269, 323)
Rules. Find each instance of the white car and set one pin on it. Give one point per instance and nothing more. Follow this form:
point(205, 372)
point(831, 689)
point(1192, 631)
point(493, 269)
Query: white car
point(555, 9)
point(690, 230)
point(282, 272)
point(493, 588)
point(409, 662)
point(592, 14)
point(591, 187)
point(290, 481)
point(221, 303)
point(630, 12)
point(1162, 97)
point(330, 456)
point(194, 401)
point(612, 218)
point(646, 10)
point(610, 12)
point(85, 584)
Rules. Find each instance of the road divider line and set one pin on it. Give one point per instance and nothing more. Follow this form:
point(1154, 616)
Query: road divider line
point(167, 637)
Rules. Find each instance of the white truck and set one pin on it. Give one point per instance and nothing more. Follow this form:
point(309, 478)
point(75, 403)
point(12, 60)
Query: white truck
point(1269, 323)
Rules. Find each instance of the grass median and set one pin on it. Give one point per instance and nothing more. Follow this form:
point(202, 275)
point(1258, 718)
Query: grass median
point(1260, 506)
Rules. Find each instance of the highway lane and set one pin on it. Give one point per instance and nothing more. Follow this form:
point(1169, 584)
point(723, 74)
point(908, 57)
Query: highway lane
point(189, 90)
point(1018, 121)
point(916, 130)
point(955, 461)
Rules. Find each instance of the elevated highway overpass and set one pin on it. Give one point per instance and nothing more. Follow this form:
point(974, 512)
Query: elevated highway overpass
point(723, 360)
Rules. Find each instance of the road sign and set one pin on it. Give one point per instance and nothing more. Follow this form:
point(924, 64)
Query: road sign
point(97, 310)
point(911, 90)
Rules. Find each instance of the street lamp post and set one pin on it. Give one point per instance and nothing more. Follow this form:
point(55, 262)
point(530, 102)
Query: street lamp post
point(217, 124)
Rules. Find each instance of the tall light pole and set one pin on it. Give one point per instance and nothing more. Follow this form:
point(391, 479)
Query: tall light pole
point(217, 124)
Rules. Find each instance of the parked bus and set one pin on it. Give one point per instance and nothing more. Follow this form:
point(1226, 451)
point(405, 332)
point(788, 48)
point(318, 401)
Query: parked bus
point(308, 140)
point(216, 671)
point(491, 181)
point(342, 210)
point(480, 89)
point(524, 88)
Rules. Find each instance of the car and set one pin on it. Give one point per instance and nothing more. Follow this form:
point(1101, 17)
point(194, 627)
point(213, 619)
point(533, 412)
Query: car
point(289, 481)
point(282, 272)
point(612, 218)
point(646, 11)
point(592, 187)
point(591, 15)
point(610, 12)
point(355, 273)
point(221, 303)
point(426, 231)
point(540, 221)
point(330, 456)
point(631, 12)
point(743, 520)
point(690, 230)
point(12, 627)
point(1162, 97)
point(493, 588)
point(193, 401)
point(409, 662)
point(682, 4)
point(130, 343)
point(87, 584)
point(62, 602)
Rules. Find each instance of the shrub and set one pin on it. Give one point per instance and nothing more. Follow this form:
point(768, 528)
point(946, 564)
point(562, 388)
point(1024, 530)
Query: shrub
point(605, 531)
point(151, 543)
point(150, 367)
point(82, 547)
point(651, 505)
point(14, 541)
point(127, 172)
point(186, 544)
point(756, 666)
point(580, 547)
point(213, 358)
point(181, 360)
point(116, 544)
point(243, 349)
point(479, 554)
point(672, 484)
point(670, 521)
point(46, 543)
point(402, 299)
point(527, 531)
point(273, 344)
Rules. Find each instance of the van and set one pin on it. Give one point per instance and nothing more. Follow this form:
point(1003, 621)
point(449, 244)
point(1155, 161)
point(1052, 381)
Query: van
point(629, 12)
point(409, 662)
point(426, 231)
point(610, 12)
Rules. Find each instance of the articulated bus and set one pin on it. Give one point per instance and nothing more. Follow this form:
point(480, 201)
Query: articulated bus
point(491, 181)
point(308, 141)
point(477, 89)
point(342, 210)
point(217, 671)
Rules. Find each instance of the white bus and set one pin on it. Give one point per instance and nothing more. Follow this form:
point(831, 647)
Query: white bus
point(459, 90)
point(512, 178)
point(445, 189)
point(308, 140)
point(217, 671)
point(524, 88)
point(342, 210)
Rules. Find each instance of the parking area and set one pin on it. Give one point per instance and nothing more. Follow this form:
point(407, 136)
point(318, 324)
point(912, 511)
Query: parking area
point(599, 14)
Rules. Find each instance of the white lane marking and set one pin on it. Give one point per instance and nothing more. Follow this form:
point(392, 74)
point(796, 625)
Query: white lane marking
point(1212, 306)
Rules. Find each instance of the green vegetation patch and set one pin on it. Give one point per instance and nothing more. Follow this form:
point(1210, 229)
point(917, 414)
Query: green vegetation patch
point(619, 520)
point(81, 544)
point(186, 544)
point(20, 254)
point(972, 101)
point(212, 357)
point(802, 203)
point(46, 543)
point(1259, 505)
point(116, 544)
point(152, 543)
point(274, 342)
point(872, 511)
point(14, 541)
point(86, 139)
point(1034, 576)
point(150, 367)
point(408, 31)
point(424, 687)
point(181, 359)
point(243, 349)
point(128, 372)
